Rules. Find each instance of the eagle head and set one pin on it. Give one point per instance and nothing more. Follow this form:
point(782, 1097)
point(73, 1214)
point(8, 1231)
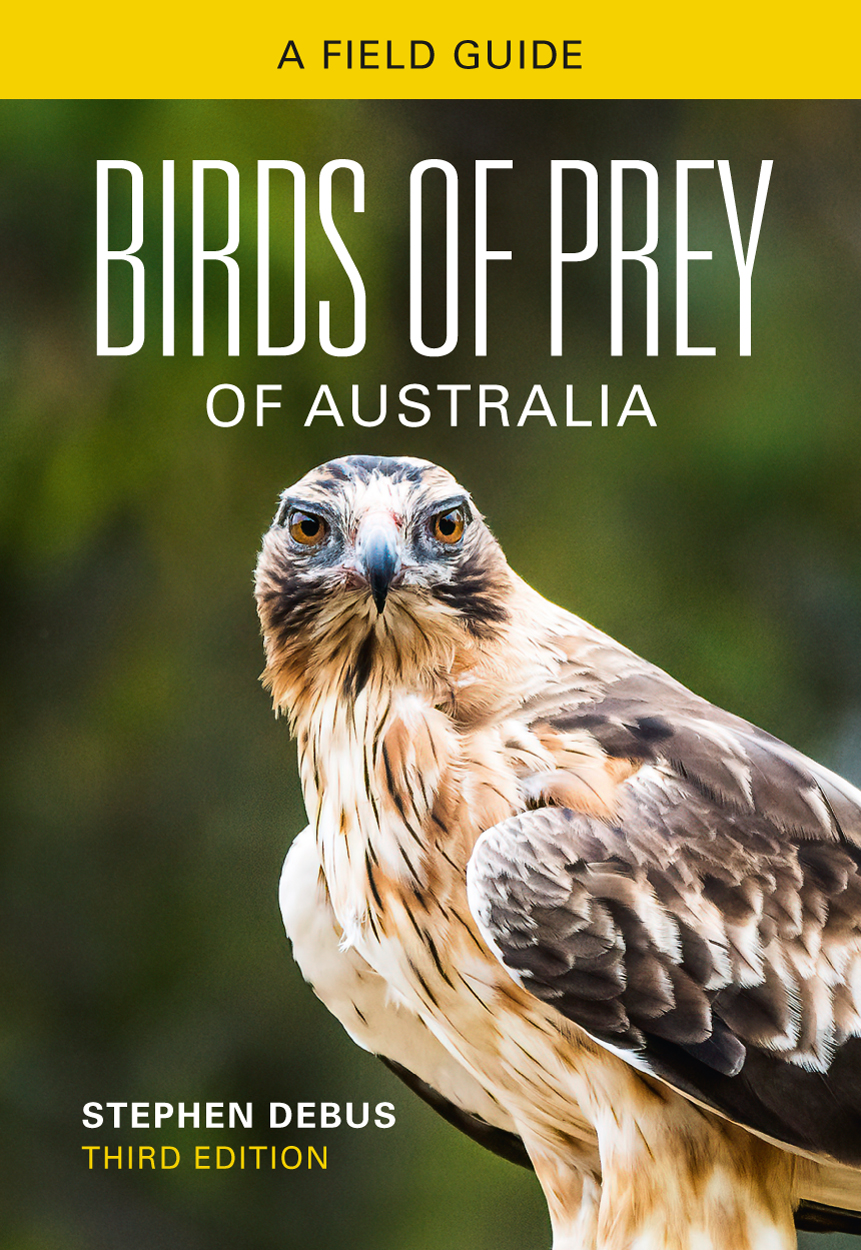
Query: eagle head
point(370, 561)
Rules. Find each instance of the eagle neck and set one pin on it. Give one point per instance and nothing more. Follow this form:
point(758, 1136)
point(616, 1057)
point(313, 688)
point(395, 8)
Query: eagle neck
point(358, 762)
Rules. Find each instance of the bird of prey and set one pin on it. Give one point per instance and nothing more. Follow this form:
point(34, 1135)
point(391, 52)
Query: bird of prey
point(606, 927)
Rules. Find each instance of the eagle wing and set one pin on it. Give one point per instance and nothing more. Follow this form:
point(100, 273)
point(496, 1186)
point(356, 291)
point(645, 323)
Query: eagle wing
point(708, 929)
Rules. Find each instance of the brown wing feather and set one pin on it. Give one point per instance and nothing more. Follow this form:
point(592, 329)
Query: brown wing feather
point(638, 712)
point(711, 929)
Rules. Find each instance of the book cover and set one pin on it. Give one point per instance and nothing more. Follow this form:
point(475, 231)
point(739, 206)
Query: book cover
point(627, 324)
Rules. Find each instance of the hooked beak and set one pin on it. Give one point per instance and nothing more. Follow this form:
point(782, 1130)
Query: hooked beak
point(378, 556)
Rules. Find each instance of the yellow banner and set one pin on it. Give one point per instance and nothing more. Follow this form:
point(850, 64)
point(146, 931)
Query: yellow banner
point(481, 51)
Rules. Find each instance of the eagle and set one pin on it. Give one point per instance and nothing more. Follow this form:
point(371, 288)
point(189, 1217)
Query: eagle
point(608, 929)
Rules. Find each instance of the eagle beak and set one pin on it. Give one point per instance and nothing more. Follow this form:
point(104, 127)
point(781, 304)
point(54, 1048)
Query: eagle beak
point(378, 555)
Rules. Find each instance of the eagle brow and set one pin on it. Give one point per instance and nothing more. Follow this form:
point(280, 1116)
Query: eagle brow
point(455, 501)
point(315, 506)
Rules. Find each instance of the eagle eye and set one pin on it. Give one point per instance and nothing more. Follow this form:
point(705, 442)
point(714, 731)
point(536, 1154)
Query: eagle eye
point(307, 529)
point(447, 527)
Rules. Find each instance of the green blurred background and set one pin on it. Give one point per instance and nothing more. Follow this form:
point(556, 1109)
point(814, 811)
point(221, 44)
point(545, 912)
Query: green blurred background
point(148, 795)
